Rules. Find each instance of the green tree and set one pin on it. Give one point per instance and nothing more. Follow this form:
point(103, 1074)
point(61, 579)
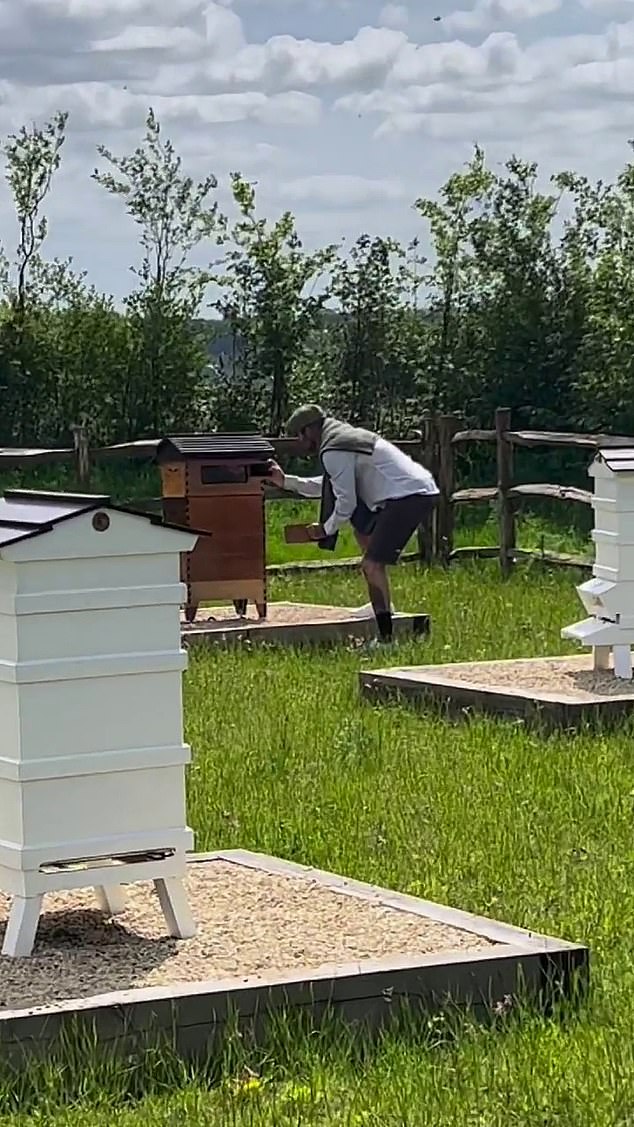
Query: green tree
point(452, 282)
point(504, 324)
point(164, 384)
point(525, 351)
point(375, 346)
point(598, 249)
point(89, 341)
point(27, 373)
point(272, 306)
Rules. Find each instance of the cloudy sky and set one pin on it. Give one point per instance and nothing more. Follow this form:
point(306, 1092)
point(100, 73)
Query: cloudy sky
point(343, 110)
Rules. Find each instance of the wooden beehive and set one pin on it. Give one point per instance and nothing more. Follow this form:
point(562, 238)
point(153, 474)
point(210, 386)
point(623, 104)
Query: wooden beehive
point(92, 770)
point(214, 482)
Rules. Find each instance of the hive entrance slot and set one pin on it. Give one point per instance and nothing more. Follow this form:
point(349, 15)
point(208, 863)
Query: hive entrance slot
point(106, 862)
point(223, 475)
point(110, 875)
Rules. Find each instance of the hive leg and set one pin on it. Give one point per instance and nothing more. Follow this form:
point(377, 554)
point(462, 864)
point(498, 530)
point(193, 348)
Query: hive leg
point(240, 606)
point(24, 917)
point(601, 658)
point(262, 605)
point(191, 610)
point(173, 901)
point(622, 662)
point(111, 899)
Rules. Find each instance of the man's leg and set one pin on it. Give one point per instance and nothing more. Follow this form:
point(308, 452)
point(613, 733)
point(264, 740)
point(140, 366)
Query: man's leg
point(395, 526)
point(363, 540)
point(379, 591)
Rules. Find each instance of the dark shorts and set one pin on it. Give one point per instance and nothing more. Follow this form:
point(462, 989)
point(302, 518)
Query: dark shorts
point(395, 524)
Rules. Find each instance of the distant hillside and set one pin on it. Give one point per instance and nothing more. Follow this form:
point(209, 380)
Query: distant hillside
point(218, 337)
point(220, 340)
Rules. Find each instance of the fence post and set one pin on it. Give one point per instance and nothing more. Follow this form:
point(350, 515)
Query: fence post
point(448, 425)
point(426, 530)
point(505, 502)
point(81, 453)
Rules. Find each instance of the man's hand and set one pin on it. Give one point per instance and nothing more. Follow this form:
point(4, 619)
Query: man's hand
point(316, 531)
point(276, 474)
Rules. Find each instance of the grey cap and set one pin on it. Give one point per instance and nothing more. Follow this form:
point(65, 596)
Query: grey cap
point(304, 417)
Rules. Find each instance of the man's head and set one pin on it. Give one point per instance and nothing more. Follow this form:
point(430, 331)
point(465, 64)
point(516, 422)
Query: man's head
point(305, 426)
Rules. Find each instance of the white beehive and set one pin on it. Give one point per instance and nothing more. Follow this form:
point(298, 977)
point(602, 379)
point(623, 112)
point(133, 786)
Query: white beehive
point(609, 596)
point(92, 759)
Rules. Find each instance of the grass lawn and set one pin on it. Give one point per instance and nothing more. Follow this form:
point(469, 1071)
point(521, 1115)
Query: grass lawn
point(481, 815)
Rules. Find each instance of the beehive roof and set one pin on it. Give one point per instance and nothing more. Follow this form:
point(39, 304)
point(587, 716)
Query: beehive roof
point(619, 459)
point(25, 513)
point(244, 446)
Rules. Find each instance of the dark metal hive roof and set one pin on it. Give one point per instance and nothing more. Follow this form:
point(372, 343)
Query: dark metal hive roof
point(25, 513)
point(246, 446)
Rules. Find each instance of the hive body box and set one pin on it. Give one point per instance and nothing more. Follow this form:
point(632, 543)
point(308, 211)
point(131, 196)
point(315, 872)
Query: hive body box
point(215, 483)
point(609, 596)
point(92, 759)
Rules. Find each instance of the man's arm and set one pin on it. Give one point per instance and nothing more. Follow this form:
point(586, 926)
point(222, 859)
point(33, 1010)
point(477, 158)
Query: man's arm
point(303, 486)
point(340, 466)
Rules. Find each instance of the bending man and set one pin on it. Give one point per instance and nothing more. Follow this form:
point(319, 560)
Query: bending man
point(368, 482)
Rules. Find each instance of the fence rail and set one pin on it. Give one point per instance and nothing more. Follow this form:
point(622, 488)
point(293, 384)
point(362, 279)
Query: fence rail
point(435, 444)
point(448, 433)
point(143, 450)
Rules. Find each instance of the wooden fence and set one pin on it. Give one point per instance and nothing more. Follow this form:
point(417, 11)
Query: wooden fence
point(435, 444)
point(443, 434)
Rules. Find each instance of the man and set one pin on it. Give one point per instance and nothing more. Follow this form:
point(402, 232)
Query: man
point(371, 483)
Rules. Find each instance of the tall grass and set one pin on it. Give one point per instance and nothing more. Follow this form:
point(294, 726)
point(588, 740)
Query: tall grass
point(483, 815)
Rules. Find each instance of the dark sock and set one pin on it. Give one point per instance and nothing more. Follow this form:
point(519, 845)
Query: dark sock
point(384, 624)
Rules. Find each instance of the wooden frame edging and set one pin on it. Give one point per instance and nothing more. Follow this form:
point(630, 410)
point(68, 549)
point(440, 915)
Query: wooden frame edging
point(193, 1018)
point(316, 632)
point(431, 687)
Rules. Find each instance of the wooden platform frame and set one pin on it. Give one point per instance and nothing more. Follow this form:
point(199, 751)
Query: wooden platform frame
point(315, 632)
point(194, 1019)
point(433, 686)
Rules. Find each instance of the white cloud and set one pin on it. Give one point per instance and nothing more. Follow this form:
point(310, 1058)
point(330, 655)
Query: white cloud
point(497, 13)
point(223, 30)
point(343, 121)
point(181, 40)
point(99, 9)
point(606, 78)
point(607, 7)
point(95, 106)
point(284, 61)
point(344, 191)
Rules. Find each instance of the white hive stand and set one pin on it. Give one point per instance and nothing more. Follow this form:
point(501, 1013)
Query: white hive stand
point(92, 759)
point(609, 596)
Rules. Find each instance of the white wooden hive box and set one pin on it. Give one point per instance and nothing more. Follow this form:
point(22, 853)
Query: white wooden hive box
point(611, 554)
point(598, 632)
point(613, 474)
point(613, 506)
point(92, 758)
point(614, 519)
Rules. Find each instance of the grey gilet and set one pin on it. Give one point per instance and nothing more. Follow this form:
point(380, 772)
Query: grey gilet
point(336, 435)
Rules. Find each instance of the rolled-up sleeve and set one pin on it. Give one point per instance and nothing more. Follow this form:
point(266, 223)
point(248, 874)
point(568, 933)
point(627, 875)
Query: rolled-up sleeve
point(303, 486)
point(340, 467)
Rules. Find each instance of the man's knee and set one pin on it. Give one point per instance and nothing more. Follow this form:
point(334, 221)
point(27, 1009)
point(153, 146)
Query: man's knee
point(372, 570)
